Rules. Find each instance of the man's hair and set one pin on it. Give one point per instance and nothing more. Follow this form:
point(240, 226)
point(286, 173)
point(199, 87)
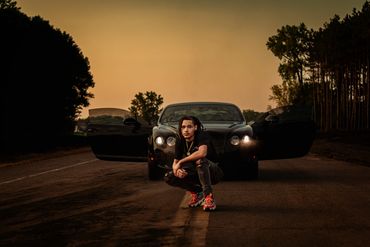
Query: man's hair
point(195, 121)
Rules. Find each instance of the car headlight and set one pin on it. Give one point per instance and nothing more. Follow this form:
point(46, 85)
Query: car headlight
point(159, 140)
point(171, 141)
point(234, 140)
point(246, 139)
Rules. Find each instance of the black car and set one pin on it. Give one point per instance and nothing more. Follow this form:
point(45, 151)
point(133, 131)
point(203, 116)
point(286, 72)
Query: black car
point(279, 133)
point(114, 134)
point(284, 132)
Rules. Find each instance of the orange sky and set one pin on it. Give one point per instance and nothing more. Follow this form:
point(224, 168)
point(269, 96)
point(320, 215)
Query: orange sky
point(185, 50)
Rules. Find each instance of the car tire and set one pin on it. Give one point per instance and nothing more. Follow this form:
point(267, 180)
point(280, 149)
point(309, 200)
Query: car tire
point(252, 171)
point(154, 172)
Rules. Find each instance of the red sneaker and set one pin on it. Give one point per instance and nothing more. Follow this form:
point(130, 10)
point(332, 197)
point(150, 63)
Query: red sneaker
point(196, 199)
point(209, 203)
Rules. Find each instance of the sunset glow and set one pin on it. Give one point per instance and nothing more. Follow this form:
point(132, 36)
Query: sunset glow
point(208, 50)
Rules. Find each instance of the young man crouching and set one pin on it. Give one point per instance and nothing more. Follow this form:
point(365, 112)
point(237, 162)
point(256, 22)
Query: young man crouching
point(190, 168)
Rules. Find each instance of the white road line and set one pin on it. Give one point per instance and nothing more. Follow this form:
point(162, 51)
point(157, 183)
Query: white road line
point(189, 225)
point(46, 172)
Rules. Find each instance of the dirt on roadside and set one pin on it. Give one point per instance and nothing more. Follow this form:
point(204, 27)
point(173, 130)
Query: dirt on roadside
point(22, 158)
point(347, 146)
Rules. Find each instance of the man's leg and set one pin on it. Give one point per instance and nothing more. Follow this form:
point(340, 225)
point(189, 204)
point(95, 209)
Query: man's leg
point(189, 183)
point(204, 175)
point(205, 180)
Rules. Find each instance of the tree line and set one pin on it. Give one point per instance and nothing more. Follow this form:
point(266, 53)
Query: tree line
point(44, 81)
point(328, 69)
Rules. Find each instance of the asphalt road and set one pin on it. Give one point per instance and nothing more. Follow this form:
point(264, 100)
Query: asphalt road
point(77, 200)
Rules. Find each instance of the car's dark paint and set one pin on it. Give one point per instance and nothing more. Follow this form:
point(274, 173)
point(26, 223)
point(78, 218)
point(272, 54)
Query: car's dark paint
point(118, 137)
point(231, 158)
point(284, 132)
point(280, 133)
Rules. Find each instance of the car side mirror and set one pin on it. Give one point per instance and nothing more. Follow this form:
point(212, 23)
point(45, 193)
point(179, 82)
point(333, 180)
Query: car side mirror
point(272, 119)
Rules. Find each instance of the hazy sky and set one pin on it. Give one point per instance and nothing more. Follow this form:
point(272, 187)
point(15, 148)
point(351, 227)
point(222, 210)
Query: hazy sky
point(185, 50)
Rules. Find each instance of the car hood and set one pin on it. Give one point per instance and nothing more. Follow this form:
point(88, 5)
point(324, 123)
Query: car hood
point(218, 127)
point(222, 126)
point(226, 129)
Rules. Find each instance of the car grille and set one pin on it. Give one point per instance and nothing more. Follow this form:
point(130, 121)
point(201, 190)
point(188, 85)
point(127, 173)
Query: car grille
point(218, 140)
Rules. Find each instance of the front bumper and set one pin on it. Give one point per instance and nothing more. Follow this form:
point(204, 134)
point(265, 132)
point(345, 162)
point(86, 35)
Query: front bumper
point(161, 158)
point(234, 156)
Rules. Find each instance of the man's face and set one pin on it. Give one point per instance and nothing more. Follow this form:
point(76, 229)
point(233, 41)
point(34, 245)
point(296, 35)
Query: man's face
point(188, 129)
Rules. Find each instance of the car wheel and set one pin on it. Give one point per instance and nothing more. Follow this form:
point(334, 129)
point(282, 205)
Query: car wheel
point(154, 172)
point(252, 171)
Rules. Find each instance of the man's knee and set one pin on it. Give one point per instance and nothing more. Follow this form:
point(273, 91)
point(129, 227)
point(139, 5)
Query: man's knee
point(198, 162)
point(201, 162)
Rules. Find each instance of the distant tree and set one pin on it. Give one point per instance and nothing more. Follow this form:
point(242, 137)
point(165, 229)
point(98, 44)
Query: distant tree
point(251, 115)
point(341, 72)
point(44, 80)
point(147, 105)
point(284, 94)
point(8, 4)
point(328, 69)
point(291, 45)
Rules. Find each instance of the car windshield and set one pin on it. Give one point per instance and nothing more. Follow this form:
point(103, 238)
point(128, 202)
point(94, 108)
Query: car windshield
point(211, 113)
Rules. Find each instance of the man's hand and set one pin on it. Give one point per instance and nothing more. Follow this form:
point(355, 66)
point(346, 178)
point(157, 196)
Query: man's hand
point(175, 166)
point(181, 173)
point(178, 171)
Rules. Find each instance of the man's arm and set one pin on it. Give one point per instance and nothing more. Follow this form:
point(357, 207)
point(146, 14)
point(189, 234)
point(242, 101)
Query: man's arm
point(177, 170)
point(197, 155)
